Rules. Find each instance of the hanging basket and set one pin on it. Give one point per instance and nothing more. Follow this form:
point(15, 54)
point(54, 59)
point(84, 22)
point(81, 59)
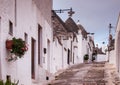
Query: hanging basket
point(9, 44)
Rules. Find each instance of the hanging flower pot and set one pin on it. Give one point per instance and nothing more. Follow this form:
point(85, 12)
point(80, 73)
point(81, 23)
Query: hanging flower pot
point(9, 44)
point(17, 46)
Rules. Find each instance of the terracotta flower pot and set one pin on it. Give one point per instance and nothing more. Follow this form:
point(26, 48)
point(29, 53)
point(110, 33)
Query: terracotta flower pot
point(9, 44)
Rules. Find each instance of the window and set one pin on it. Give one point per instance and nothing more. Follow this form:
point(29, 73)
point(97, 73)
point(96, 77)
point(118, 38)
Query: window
point(10, 28)
point(26, 38)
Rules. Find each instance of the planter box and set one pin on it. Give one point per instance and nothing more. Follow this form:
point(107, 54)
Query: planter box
point(9, 44)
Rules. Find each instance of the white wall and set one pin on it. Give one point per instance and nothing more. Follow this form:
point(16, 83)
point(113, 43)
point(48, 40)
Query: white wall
point(117, 46)
point(28, 17)
point(57, 56)
point(101, 57)
point(80, 49)
point(112, 58)
point(0, 50)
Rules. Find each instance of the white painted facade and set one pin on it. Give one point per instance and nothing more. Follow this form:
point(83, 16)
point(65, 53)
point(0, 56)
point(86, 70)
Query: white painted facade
point(101, 58)
point(80, 46)
point(117, 46)
point(111, 57)
point(61, 50)
point(26, 15)
point(32, 22)
point(85, 46)
point(57, 56)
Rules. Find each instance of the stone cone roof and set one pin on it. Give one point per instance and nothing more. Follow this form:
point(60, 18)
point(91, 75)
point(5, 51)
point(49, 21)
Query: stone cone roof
point(71, 25)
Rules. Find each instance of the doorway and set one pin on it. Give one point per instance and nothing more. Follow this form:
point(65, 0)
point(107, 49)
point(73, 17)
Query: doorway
point(39, 44)
point(68, 58)
point(33, 58)
point(48, 55)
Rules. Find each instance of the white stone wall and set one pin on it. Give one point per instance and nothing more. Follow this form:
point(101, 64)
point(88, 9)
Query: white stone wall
point(0, 50)
point(28, 16)
point(66, 46)
point(80, 53)
point(65, 57)
point(60, 54)
point(85, 48)
point(47, 4)
point(6, 14)
point(117, 46)
point(112, 59)
point(57, 56)
point(101, 57)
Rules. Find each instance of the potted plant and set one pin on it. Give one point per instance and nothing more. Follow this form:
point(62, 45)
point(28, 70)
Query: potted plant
point(17, 47)
point(1, 82)
point(8, 82)
point(86, 57)
point(94, 56)
point(9, 44)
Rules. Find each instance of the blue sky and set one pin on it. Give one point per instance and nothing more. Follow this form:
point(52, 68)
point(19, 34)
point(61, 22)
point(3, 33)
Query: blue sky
point(94, 15)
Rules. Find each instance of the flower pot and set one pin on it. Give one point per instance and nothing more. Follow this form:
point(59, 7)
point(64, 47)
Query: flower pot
point(9, 44)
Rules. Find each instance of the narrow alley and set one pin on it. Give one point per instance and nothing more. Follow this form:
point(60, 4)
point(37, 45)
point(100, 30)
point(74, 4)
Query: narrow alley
point(60, 42)
point(100, 73)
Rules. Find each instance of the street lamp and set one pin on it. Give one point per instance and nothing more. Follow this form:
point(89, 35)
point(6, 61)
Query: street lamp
point(109, 40)
point(70, 11)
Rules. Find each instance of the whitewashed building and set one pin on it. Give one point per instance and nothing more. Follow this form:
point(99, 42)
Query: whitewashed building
point(85, 43)
point(91, 46)
point(116, 59)
point(72, 29)
point(59, 59)
point(64, 43)
point(31, 21)
point(52, 44)
point(70, 43)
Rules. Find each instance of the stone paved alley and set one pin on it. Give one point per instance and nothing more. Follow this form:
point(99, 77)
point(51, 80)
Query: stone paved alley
point(88, 74)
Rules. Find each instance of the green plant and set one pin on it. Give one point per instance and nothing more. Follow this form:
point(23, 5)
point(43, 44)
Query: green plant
point(17, 47)
point(1, 82)
point(8, 81)
point(86, 57)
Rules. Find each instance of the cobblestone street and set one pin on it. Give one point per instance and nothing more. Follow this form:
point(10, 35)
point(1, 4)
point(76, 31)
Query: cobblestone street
point(88, 74)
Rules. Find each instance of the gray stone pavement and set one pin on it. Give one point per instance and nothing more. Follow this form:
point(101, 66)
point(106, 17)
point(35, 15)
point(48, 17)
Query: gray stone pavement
point(100, 73)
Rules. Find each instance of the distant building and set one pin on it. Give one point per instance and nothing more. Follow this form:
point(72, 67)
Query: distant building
point(70, 43)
